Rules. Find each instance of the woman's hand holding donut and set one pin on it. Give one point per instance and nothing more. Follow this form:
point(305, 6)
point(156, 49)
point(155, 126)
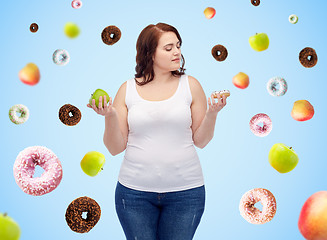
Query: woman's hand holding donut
point(215, 107)
point(105, 110)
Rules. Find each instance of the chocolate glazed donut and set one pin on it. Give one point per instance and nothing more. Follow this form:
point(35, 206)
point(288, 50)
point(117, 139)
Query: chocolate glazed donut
point(255, 2)
point(219, 52)
point(64, 115)
point(308, 57)
point(34, 27)
point(74, 213)
point(110, 35)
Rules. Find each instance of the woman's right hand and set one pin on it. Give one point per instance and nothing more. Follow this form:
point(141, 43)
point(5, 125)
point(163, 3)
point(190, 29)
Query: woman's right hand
point(106, 110)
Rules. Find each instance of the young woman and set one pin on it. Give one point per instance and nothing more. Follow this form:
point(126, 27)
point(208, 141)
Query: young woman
point(158, 117)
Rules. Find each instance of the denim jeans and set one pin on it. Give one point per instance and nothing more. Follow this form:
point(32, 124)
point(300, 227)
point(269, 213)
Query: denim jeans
point(159, 216)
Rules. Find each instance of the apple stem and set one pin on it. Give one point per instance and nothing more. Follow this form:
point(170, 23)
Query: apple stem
point(101, 169)
point(5, 214)
point(290, 147)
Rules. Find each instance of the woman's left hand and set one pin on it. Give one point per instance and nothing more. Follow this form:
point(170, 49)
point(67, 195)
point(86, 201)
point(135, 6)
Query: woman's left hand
point(215, 107)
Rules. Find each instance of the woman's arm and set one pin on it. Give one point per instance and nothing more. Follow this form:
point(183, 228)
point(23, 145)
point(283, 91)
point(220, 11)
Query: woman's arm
point(116, 126)
point(203, 119)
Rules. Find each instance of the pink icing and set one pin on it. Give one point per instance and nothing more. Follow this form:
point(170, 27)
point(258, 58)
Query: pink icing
point(252, 214)
point(264, 130)
point(24, 168)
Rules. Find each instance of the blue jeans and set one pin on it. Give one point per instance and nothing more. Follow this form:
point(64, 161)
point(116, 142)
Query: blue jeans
point(159, 216)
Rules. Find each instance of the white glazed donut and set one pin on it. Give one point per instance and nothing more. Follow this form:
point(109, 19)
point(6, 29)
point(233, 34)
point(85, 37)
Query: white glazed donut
point(252, 214)
point(77, 4)
point(277, 86)
point(293, 18)
point(20, 109)
point(261, 131)
point(24, 169)
point(60, 57)
point(217, 94)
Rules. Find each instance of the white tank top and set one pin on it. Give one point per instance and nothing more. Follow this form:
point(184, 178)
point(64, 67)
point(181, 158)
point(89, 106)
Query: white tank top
point(160, 155)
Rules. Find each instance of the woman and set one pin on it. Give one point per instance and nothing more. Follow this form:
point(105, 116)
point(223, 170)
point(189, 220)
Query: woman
point(158, 117)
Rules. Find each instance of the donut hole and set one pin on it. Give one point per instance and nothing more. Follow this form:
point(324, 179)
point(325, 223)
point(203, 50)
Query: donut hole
point(84, 215)
point(275, 87)
point(309, 58)
point(260, 124)
point(218, 53)
point(259, 206)
point(70, 114)
point(38, 171)
point(62, 58)
point(20, 114)
point(112, 35)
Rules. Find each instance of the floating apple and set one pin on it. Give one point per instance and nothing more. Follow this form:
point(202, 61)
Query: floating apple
point(92, 163)
point(241, 80)
point(283, 158)
point(97, 93)
point(302, 110)
point(313, 217)
point(30, 74)
point(209, 12)
point(9, 229)
point(259, 41)
point(71, 30)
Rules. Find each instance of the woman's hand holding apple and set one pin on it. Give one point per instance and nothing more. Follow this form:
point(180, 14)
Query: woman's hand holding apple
point(105, 110)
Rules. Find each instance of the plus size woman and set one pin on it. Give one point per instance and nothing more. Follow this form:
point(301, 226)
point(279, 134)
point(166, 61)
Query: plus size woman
point(158, 118)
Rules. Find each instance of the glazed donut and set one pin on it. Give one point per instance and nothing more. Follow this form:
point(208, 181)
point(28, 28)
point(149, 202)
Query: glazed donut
point(34, 27)
point(293, 18)
point(219, 52)
point(24, 169)
point(77, 4)
point(64, 115)
point(110, 35)
point(22, 110)
point(60, 57)
point(221, 93)
point(252, 214)
point(258, 130)
point(277, 86)
point(74, 212)
point(308, 57)
point(255, 2)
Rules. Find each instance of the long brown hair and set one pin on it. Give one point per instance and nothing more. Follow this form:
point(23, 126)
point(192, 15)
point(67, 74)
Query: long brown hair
point(146, 45)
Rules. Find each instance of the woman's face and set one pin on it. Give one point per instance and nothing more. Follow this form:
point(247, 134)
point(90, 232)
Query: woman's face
point(167, 56)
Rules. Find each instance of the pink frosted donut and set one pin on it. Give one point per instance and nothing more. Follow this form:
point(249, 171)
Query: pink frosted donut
point(263, 130)
point(77, 4)
point(24, 168)
point(252, 214)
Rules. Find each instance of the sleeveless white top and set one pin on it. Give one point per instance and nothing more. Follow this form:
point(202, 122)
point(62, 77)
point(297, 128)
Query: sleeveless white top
point(160, 155)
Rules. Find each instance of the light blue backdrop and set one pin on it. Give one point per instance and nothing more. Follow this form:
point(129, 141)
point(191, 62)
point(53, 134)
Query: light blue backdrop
point(234, 162)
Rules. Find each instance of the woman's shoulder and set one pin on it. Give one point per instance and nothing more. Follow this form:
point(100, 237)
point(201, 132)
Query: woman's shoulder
point(195, 85)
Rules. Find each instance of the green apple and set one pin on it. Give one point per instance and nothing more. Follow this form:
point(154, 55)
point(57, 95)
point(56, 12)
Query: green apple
point(259, 41)
point(283, 158)
point(97, 93)
point(71, 30)
point(92, 163)
point(9, 229)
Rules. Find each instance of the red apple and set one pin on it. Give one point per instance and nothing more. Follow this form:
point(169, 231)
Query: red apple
point(29, 74)
point(241, 80)
point(302, 110)
point(313, 217)
point(209, 12)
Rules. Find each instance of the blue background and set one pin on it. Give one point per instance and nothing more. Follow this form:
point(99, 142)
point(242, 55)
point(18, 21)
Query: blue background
point(234, 162)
